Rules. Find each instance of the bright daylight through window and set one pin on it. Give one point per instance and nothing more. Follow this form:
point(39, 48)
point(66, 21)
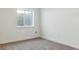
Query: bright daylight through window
point(25, 18)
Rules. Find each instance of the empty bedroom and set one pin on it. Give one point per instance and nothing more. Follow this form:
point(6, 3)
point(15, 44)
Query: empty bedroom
point(39, 28)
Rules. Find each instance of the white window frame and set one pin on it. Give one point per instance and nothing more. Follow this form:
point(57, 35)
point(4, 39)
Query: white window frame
point(28, 25)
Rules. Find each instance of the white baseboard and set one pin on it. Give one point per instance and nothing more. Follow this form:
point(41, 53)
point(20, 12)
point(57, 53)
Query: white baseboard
point(19, 40)
point(59, 42)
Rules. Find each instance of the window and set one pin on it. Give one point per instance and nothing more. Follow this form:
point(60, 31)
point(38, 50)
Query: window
point(25, 18)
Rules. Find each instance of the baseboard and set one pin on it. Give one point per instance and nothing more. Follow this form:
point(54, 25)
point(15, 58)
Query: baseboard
point(60, 43)
point(1, 45)
point(20, 40)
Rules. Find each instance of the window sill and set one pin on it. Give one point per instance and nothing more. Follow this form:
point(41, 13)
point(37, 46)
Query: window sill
point(24, 26)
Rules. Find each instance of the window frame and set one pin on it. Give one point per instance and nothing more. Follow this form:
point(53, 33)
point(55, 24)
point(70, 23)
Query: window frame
point(28, 25)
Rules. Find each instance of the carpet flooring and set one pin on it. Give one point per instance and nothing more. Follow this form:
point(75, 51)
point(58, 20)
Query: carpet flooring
point(36, 44)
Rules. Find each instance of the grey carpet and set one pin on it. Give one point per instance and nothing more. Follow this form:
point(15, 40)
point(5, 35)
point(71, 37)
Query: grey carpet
point(36, 44)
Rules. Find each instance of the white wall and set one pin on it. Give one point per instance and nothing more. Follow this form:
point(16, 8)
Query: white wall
point(8, 30)
point(60, 25)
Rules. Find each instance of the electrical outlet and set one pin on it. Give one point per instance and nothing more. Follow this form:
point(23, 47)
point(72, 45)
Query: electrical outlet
point(36, 32)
